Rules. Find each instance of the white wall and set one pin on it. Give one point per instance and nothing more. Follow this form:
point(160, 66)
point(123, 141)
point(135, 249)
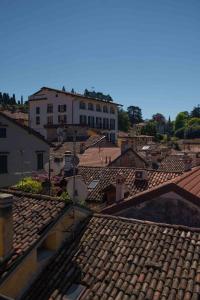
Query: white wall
point(19, 139)
point(70, 101)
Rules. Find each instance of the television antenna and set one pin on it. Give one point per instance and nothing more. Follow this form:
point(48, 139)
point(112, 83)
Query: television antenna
point(78, 191)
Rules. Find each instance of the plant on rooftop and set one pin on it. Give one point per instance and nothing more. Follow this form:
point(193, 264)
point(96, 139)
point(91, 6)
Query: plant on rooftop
point(29, 185)
point(65, 197)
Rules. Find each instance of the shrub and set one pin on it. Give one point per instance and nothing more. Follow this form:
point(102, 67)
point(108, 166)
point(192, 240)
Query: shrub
point(65, 197)
point(180, 133)
point(29, 185)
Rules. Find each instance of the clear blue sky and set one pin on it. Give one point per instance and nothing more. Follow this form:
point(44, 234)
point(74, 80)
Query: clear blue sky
point(144, 52)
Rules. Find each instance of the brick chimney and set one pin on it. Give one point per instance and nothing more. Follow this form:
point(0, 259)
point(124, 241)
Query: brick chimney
point(6, 225)
point(120, 187)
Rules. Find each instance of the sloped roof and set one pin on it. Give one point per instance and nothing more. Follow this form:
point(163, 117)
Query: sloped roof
point(97, 156)
point(108, 175)
point(172, 163)
point(32, 215)
point(129, 150)
point(186, 185)
point(190, 181)
point(28, 129)
point(73, 94)
point(117, 258)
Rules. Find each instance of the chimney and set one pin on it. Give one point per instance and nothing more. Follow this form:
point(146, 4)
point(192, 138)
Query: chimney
point(120, 187)
point(68, 162)
point(187, 162)
point(6, 225)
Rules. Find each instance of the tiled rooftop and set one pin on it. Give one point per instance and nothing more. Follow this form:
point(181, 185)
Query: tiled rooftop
point(107, 176)
point(31, 215)
point(99, 156)
point(172, 163)
point(190, 181)
point(125, 259)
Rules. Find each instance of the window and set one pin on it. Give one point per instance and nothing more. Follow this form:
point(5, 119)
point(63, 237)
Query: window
point(82, 105)
point(2, 132)
point(90, 106)
point(105, 123)
point(83, 120)
point(112, 124)
point(93, 184)
point(40, 161)
point(37, 110)
point(112, 110)
point(62, 108)
point(98, 122)
point(3, 164)
point(62, 119)
point(91, 121)
point(50, 120)
point(98, 107)
point(49, 108)
point(105, 109)
point(37, 120)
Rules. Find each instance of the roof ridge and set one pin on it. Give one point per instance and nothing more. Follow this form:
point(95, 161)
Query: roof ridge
point(145, 222)
point(30, 195)
point(186, 174)
point(78, 95)
point(25, 127)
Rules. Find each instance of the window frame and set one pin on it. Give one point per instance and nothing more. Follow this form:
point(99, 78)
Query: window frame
point(3, 134)
point(40, 167)
point(4, 169)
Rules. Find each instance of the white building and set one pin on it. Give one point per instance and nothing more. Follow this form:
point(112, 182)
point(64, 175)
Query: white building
point(50, 108)
point(22, 151)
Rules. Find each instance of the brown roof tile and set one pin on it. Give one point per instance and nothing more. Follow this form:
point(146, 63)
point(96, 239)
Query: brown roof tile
point(107, 175)
point(114, 273)
point(31, 215)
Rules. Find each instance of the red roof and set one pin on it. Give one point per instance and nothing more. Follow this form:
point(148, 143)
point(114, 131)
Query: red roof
point(190, 181)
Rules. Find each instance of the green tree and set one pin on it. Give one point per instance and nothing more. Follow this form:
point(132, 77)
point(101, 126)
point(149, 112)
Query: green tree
point(63, 89)
point(135, 114)
point(194, 121)
point(181, 120)
point(195, 113)
point(149, 128)
point(123, 120)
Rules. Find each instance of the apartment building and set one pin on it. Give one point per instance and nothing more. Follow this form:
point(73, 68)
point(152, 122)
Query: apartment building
point(51, 109)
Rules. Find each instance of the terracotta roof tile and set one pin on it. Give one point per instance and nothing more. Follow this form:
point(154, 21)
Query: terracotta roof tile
point(31, 215)
point(107, 176)
point(145, 271)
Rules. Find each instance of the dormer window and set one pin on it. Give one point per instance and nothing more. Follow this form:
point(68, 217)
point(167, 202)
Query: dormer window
point(82, 105)
point(90, 106)
point(75, 292)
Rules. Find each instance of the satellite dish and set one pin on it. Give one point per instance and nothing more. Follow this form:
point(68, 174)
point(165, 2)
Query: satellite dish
point(55, 166)
point(81, 191)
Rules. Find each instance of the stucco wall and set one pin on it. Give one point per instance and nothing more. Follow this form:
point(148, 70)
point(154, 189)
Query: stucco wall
point(73, 110)
point(19, 139)
point(169, 208)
